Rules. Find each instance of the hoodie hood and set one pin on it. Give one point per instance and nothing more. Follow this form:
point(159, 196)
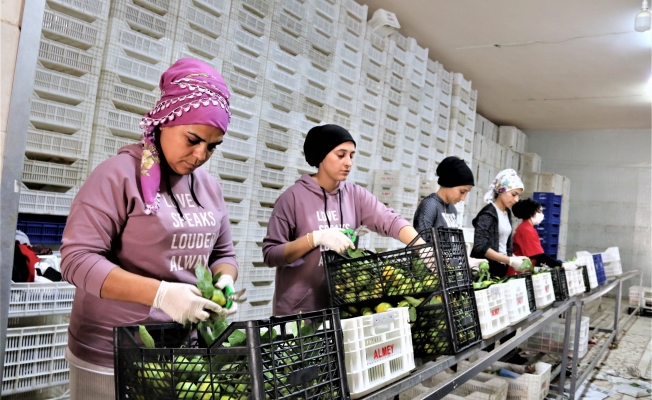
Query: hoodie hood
point(135, 150)
point(311, 185)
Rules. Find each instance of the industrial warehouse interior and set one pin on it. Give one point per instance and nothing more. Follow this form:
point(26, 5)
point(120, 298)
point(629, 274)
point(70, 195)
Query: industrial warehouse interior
point(477, 177)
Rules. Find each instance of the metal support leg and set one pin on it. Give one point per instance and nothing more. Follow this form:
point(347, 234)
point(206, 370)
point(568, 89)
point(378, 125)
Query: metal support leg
point(619, 290)
point(564, 360)
point(576, 346)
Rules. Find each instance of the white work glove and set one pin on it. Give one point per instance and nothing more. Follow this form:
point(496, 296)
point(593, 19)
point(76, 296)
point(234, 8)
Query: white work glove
point(333, 238)
point(183, 302)
point(222, 283)
point(516, 262)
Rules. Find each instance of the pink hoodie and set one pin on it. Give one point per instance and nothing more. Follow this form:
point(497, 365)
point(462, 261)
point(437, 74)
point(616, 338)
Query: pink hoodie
point(301, 286)
point(107, 228)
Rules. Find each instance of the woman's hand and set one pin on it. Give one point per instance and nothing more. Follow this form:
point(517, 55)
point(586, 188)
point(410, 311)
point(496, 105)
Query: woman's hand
point(183, 303)
point(516, 262)
point(225, 284)
point(333, 238)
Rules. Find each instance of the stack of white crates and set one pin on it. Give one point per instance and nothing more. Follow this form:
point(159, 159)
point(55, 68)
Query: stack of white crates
point(399, 190)
point(427, 152)
point(367, 121)
point(62, 105)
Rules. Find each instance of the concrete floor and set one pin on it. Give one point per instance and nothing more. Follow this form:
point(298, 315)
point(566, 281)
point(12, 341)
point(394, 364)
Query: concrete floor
point(634, 344)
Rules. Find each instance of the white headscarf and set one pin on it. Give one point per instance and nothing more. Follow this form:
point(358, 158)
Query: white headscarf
point(505, 181)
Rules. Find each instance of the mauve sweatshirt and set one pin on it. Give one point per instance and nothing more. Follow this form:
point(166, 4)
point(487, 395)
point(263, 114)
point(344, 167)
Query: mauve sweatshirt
point(107, 228)
point(301, 286)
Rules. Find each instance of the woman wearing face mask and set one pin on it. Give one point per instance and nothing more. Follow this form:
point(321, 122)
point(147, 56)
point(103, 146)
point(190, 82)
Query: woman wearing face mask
point(310, 216)
point(142, 221)
point(493, 227)
point(438, 209)
point(526, 237)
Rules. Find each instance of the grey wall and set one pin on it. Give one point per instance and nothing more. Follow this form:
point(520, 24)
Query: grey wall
point(611, 175)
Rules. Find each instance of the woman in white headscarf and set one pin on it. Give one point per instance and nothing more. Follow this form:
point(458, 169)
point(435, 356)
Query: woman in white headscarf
point(493, 227)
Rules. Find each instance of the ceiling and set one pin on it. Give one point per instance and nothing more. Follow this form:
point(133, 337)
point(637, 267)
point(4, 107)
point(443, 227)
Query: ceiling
point(549, 65)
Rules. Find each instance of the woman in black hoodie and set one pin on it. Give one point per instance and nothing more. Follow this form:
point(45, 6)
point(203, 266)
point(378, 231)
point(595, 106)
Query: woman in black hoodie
point(493, 228)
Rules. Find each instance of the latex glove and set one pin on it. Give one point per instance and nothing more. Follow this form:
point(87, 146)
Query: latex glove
point(516, 261)
point(225, 283)
point(183, 302)
point(474, 263)
point(333, 238)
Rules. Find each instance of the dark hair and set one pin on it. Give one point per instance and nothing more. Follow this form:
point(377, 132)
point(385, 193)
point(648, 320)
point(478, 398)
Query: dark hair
point(166, 171)
point(525, 209)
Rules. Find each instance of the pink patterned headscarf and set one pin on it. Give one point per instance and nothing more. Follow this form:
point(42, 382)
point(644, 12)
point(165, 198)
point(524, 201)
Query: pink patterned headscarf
point(192, 93)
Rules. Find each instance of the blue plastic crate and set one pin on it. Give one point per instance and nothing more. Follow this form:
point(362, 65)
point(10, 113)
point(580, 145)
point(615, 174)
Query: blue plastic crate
point(599, 269)
point(42, 232)
point(552, 238)
point(550, 248)
point(547, 198)
point(547, 228)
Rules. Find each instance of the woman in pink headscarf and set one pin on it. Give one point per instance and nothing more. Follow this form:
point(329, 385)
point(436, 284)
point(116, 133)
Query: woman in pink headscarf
point(142, 221)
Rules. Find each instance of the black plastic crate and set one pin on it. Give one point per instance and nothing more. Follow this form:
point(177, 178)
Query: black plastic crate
point(529, 288)
point(452, 257)
point(413, 270)
point(559, 284)
point(585, 277)
point(294, 363)
point(448, 327)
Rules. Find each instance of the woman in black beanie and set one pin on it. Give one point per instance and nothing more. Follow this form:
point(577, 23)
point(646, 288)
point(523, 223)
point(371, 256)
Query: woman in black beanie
point(455, 182)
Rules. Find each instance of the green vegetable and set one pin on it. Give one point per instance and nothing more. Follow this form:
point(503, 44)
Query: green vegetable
point(527, 265)
point(147, 339)
point(204, 281)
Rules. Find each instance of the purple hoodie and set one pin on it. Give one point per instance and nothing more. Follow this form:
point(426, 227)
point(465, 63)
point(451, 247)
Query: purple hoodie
point(301, 286)
point(107, 228)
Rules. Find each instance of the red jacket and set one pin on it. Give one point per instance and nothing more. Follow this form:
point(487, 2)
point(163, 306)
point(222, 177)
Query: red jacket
point(526, 241)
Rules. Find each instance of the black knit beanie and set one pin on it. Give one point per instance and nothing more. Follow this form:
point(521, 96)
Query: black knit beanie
point(453, 171)
point(321, 140)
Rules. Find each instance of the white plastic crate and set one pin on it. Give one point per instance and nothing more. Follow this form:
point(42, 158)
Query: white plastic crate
point(237, 148)
point(638, 294)
point(612, 264)
point(237, 191)
point(262, 275)
point(275, 138)
point(43, 202)
point(248, 41)
point(258, 25)
point(231, 169)
point(238, 233)
point(90, 9)
point(60, 117)
point(377, 350)
point(544, 293)
point(533, 386)
point(278, 118)
point(492, 310)
point(209, 23)
point(315, 75)
point(530, 162)
point(516, 300)
point(575, 282)
point(69, 59)
point(550, 339)
point(30, 299)
point(481, 387)
point(257, 233)
point(63, 85)
point(55, 144)
point(238, 211)
point(144, 20)
point(398, 195)
point(126, 97)
point(48, 173)
point(266, 195)
point(70, 30)
point(216, 7)
point(585, 258)
point(59, 392)
point(287, 34)
point(34, 358)
point(381, 243)
point(259, 293)
point(248, 312)
point(240, 82)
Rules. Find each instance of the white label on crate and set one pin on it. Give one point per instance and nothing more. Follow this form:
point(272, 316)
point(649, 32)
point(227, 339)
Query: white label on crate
point(519, 300)
point(378, 354)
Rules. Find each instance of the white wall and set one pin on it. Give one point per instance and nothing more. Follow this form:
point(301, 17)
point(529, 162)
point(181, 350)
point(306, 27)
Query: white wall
point(611, 174)
point(10, 19)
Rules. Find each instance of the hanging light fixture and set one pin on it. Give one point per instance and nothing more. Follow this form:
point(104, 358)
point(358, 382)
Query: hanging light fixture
point(643, 19)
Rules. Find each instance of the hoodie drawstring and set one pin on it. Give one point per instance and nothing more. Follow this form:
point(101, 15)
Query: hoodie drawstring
point(326, 207)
